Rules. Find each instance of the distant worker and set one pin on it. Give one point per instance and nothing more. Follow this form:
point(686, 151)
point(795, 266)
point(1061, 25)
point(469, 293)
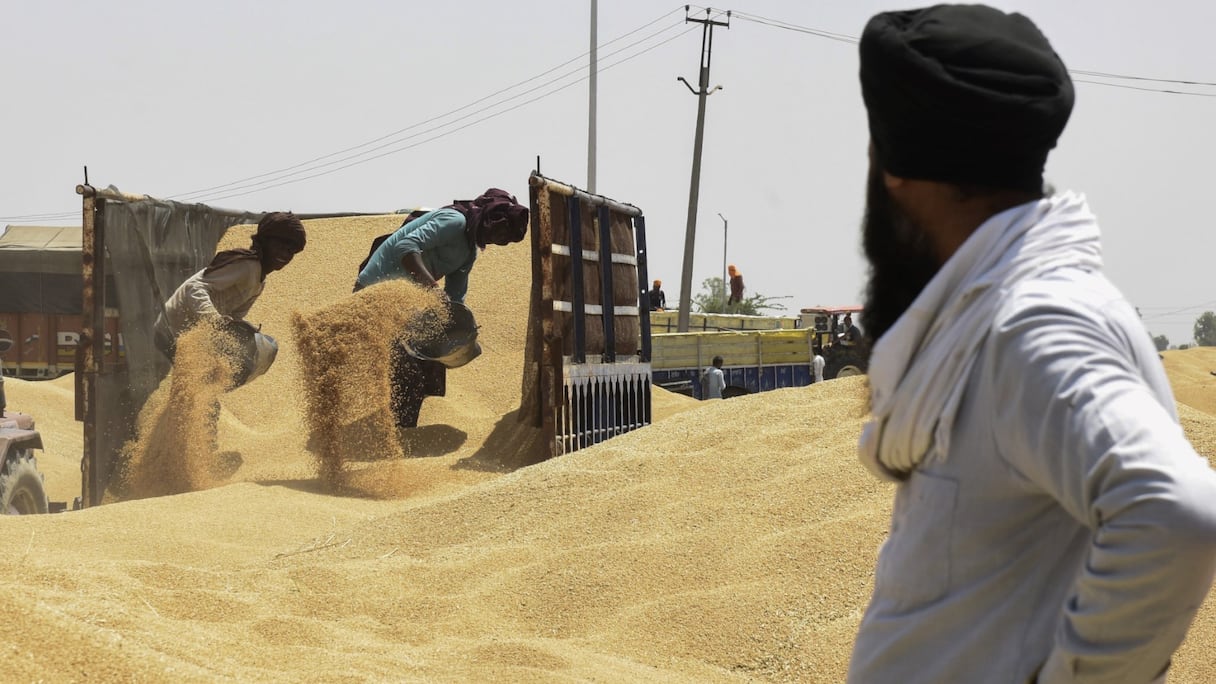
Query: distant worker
point(713, 381)
point(736, 285)
point(658, 300)
point(851, 334)
point(226, 289)
point(817, 362)
point(442, 243)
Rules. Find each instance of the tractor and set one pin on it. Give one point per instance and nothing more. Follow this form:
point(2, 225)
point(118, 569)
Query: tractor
point(844, 353)
point(21, 485)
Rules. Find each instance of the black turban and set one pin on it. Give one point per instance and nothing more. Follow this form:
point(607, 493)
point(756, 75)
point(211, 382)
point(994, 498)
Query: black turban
point(963, 94)
point(284, 227)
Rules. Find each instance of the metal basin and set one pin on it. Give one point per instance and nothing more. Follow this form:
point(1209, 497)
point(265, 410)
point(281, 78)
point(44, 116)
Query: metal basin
point(455, 345)
point(257, 352)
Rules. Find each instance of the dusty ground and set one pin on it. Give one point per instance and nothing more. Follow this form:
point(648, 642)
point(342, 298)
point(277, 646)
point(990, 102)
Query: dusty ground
point(729, 541)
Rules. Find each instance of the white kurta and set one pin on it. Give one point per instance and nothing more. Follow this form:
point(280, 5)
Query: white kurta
point(1069, 530)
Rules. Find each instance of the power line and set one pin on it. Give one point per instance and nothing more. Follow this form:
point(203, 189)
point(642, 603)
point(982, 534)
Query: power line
point(777, 23)
point(1147, 90)
point(272, 182)
point(1181, 310)
point(277, 177)
point(249, 186)
point(27, 218)
point(277, 172)
point(1104, 74)
point(447, 133)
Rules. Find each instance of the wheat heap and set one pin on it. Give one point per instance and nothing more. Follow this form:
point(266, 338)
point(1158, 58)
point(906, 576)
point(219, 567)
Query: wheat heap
point(730, 541)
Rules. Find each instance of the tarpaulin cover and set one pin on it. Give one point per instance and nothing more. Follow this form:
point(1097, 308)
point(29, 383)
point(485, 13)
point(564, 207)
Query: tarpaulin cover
point(154, 245)
point(40, 270)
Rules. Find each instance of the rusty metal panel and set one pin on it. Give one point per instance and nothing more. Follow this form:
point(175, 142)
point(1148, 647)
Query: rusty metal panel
point(591, 383)
point(91, 247)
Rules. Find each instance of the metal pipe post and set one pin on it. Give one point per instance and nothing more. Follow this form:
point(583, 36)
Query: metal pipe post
point(724, 285)
point(591, 104)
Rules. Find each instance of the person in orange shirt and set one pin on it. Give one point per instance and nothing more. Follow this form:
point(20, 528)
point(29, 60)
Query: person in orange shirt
point(736, 285)
point(658, 300)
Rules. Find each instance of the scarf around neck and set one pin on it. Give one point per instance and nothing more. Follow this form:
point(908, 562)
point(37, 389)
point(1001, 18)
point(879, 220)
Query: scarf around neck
point(919, 367)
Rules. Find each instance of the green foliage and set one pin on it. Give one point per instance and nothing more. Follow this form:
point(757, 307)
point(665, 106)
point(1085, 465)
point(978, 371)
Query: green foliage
point(1205, 329)
point(712, 299)
point(1161, 342)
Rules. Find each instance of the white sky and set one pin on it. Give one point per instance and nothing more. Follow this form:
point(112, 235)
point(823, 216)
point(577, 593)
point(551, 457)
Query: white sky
point(168, 97)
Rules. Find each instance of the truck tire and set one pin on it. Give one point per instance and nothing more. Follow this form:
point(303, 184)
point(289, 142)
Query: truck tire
point(21, 488)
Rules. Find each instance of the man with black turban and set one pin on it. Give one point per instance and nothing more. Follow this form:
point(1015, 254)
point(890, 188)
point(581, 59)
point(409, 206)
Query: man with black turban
point(431, 245)
point(1051, 522)
point(226, 289)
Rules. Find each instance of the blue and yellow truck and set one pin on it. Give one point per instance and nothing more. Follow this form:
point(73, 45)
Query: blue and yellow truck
point(760, 353)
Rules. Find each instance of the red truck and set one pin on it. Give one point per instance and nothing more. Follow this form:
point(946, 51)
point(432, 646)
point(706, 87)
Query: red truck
point(40, 315)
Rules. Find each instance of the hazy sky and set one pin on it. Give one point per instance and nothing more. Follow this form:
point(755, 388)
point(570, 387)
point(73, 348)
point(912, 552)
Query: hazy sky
point(169, 98)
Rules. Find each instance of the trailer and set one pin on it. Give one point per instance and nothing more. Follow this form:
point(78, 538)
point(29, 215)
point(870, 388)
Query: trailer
point(40, 313)
point(759, 360)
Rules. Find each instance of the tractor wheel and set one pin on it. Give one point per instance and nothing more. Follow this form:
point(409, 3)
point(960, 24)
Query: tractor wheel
point(849, 371)
point(21, 488)
point(843, 362)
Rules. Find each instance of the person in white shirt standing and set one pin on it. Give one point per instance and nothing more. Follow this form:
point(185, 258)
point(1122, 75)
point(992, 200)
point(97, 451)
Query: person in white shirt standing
point(713, 381)
point(818, 362)
point(1051, 522)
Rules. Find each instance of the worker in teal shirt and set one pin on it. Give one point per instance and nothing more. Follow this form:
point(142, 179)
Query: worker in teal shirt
point(439, 244)
point(432, 246)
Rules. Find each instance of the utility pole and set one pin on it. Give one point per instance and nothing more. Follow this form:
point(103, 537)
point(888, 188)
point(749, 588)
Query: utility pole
point(723, 261)
point(591, 106)
point(702, 91)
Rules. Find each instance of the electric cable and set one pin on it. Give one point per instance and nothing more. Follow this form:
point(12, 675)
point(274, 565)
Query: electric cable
point(196, 193)
point(447, 133)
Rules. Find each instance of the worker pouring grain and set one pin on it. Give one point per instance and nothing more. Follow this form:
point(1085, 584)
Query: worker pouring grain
point(222, 294)
point(440, 244)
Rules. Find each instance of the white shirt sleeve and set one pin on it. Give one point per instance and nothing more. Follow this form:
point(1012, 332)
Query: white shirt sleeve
point(1084, 423)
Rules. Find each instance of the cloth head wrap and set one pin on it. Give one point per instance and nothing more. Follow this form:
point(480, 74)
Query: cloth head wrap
point(284, 227)
point(281, 226)
point(491, 209)
point(963, 94)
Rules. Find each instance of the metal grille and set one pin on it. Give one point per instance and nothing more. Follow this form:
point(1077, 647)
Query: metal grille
point(601, 401)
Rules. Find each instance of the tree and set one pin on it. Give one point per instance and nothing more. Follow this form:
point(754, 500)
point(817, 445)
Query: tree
point(1162, 342)
point(1205, 329)
point(709, 300)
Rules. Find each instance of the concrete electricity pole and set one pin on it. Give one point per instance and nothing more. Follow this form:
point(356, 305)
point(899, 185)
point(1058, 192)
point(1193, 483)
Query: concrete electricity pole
point(702, 91)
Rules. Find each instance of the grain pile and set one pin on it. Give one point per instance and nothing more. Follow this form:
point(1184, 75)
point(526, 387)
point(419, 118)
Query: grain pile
point(731, 541)
point(1191, 378)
